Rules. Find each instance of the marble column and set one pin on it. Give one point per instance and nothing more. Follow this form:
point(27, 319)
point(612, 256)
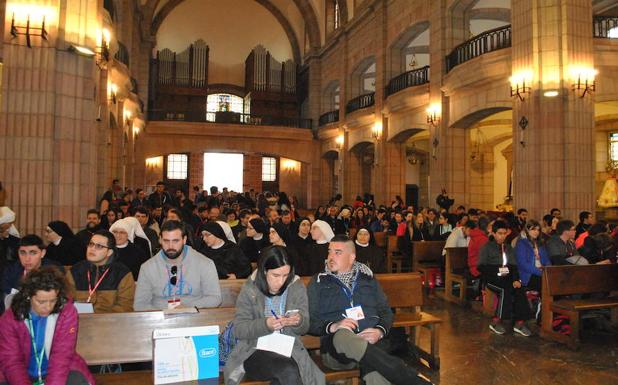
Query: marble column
point(554, 167)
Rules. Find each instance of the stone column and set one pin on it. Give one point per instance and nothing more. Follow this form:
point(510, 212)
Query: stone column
point(47, 119)
point(555, 165)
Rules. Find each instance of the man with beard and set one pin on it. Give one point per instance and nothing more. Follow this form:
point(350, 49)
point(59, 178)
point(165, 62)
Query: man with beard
point(177, 276)
point(93, 224)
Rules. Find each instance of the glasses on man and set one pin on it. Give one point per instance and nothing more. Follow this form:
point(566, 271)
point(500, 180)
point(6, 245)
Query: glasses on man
point(174, 275)
point(97, 246)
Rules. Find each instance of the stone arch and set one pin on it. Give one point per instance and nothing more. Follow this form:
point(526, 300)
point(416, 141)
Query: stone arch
point(395, 66)
point(461, 12)
point(330, 99)
point(355, 76)
point(469, 118)
point(403, 136)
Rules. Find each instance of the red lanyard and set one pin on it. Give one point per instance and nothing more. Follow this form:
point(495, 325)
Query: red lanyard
point(92, 290)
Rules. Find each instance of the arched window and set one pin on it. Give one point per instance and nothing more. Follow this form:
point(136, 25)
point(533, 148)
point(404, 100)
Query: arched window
point(368, 79)
point(486, 15)
point(223, 102)
point(333, 16)
point(416, 53)
point(331, 97)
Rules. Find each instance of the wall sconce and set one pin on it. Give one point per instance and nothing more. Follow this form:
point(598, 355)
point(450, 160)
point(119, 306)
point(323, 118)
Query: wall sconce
point(520, 84)
point(154, 162)
point(433, 114)
point(101, 52)
point(127, 117)
point(32, 13)
point(583, 80)
point(113, 92)
point(289, 165)
point(339, 141)
point(376, 130)
point(135, 131)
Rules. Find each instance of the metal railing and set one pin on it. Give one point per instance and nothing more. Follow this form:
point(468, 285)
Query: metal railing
point(408, 79)
point(487, 41)
point(228, 117)
point(123, 54)
point(605, 27)
point(360, 102)
point(329, 117)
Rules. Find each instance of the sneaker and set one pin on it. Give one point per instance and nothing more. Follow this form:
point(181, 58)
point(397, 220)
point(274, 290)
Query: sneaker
point(522, 329)
point(497, 327)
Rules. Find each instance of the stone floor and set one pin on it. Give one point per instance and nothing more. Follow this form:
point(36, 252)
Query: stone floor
point(472, 355)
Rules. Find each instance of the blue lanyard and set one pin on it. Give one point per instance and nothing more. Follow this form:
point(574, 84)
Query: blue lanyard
point(350, 293)
point(284, 296)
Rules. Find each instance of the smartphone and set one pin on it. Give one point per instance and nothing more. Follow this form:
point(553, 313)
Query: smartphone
point(290, 313)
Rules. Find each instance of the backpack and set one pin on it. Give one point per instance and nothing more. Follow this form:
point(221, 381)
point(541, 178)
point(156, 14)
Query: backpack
point(227, 342)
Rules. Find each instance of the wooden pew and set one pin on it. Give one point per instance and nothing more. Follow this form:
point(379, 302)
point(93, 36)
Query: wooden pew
point(456, 261)
point(404, 292)
point(426, 256)
point(127, 337)
point(393, 254)
point(568, 280)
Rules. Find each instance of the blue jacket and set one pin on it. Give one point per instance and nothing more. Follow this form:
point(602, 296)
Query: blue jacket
point(328, 302)
point(524, 252)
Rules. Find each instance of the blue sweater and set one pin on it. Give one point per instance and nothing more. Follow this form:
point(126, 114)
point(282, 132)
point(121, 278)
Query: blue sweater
point(524, 252)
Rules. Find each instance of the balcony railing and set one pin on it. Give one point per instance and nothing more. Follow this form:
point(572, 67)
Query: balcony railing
point(329, 117)
point(228, 117)
point(408, 79)
point(359, 102)
point(488, 41)
point(122, 55)
point(605, 27)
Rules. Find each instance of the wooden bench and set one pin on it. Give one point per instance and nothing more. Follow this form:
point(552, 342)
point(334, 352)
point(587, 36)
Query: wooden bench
point(568, 280)
point(127, 338)
point(404, 293)
point(426, 256)
point(393, 254)
point(456, 261)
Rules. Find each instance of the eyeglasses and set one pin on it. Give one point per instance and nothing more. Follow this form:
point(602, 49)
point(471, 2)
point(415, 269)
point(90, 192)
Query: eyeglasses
point(97, 246)
point(174, 277)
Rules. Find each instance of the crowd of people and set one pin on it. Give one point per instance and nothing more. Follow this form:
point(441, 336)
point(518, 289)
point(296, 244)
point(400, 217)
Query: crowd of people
point(162, 251)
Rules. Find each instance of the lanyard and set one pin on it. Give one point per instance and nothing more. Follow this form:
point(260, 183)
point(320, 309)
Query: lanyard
point(350, 293)
point(269, 300)
point(91, 290)
point(38, 357)
point(505, 260)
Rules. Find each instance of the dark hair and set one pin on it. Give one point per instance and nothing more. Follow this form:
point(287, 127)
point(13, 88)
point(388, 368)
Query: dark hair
point(114, 181)
point(471, 224)
point(597, 228)
point(531, 224)
point(111, 240)
point(473, 212)
point(272, 257)
point(564, 225)
point(139, 190)
point(172, 226)
point(244, 213)
point(46, 278)
point(93, 211)
point(521, 211)
point(462, 207)
point(160, 183)
point(142, 210)
point(499, 224)
point(177, 212)
point(554, 209)
point(32, 240)
point(547, 219)
point(584, 215)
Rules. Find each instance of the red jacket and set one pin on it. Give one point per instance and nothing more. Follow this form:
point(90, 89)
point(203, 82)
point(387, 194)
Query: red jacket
point(15, 350)
point(477, 239)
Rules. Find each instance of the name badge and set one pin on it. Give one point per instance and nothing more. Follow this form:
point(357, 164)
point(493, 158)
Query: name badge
point(356, 313)
point(173, 303)
point(502, 271)
point(84, 307)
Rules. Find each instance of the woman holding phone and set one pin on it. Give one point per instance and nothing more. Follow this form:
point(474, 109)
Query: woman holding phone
point(273, 300)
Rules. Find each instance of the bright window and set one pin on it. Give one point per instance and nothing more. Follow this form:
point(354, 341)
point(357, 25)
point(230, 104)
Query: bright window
point(613, 147)
point(613, 33)
point(177, 166)
point(269, 169)
point(223, 102)
point(223, 170)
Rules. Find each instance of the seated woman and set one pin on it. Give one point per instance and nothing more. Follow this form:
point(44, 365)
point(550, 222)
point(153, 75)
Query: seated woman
point(531, 255)
point(127, 231)
point(315, 255)
point(279, 235)
point(263, 307)
point(38, 334)
point(367, 252)
point(228, 257)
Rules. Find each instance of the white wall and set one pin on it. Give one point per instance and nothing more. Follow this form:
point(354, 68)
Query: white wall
point(230, 33)
point(500, 172)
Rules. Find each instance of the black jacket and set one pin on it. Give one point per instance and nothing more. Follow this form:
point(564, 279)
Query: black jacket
point(490, 260)
point(132, 257)
point(68, 252)
point(328, 301)
point(372, 256)
point(313, 259)
point(229, 259)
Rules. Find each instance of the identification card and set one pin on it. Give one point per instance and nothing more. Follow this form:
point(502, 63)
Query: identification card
point(173, 303)
point(356, 313)
point(277, 343)
point(502, 271)
point(84, 307)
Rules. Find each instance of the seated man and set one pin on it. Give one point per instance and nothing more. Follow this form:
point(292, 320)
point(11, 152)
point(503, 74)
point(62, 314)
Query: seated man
point(498, 267)
point(350, 312)
point(101, 280)
point(177, 276)
point(31, 253)
point(561, 246)
point(93, 224)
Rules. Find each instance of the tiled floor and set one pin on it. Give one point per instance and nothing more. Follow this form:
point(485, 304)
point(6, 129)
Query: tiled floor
point(472, 355)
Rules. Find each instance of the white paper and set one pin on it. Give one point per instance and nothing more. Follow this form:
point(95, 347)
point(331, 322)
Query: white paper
point(276, 343)
point(356, 313)
point(84, 307)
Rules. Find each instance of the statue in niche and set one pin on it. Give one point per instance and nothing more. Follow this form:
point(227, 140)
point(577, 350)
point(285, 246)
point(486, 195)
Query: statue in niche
point(609, 193)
